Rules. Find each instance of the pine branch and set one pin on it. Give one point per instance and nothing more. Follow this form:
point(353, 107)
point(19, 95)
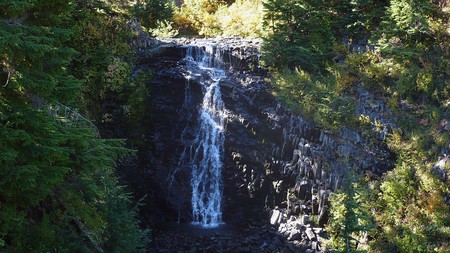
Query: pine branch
point(62, 113)
point(88, 235)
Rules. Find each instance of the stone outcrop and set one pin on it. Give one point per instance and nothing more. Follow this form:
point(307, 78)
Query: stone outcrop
point(237, 54)
point(279, 169)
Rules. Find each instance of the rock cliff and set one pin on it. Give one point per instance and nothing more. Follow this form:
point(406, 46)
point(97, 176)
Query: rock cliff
point(279, 168)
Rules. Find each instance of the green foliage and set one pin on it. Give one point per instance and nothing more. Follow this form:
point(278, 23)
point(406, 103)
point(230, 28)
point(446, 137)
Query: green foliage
point(355, 19)
point(242, 18)
point(314, 97)
point(299, 35)
point(153, 13)
point(220, 18)
point(58, 189)
point(196, 16)
point(409, 70)
point(412, 211)
point(413, 34)
point(164, 30)
point(303, 33)
point(350, 221)
point(134, 107)
point(408, 23)
point(122, 233)
point(25, 45)
point(105, 63)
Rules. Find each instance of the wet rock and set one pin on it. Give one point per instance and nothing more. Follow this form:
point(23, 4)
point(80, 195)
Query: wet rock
point(440, 170)
point(283, 228)
point(318, 230)
point(344, 150)
point(446, 126)
point(320, 238)
point(351, 135)
point(323, 199)
point(287, 249)
point(314, 245)
point(211, 248)
point(315, 205)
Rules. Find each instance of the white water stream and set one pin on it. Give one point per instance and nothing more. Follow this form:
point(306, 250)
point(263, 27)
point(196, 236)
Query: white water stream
point(208, 147)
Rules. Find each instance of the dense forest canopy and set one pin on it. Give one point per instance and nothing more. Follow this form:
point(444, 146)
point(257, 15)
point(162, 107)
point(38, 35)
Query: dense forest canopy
point(59, 190)
point(58, 187)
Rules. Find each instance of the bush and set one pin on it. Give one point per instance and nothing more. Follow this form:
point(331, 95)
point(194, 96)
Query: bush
point(164, 29)
point(314, 96)
point(243, 18)
point(217, 18)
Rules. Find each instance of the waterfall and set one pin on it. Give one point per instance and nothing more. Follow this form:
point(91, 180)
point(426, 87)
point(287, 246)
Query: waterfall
point(208, 146)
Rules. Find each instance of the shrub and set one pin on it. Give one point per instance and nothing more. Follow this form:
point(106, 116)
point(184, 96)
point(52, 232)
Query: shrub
point(218, 18)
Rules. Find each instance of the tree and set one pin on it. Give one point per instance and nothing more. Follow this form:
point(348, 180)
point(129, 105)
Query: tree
point(299, 34)
point(414, 35)
point(355, 19)
point(350, 217)
point(57, 181)
point(152, 12)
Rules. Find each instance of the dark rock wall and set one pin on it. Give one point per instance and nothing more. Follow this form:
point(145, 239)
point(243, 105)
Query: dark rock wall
point(273, 157)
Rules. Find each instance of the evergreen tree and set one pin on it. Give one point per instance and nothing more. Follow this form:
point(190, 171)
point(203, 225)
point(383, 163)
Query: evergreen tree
point(355, 19)
point(409, 22)
point(58, 190)
point(350, 218)
point(152, 12)
point(299, 34)
point(414, 34)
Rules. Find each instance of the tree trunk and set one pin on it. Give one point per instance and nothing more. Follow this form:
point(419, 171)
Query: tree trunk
point(347, 241)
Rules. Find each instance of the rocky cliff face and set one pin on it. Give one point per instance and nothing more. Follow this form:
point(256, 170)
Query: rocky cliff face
point(278, 168)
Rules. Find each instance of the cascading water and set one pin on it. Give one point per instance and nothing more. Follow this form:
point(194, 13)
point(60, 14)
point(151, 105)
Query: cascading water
point(207, 149)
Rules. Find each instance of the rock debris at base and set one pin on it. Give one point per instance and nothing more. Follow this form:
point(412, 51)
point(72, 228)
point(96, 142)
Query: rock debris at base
point(263, 239)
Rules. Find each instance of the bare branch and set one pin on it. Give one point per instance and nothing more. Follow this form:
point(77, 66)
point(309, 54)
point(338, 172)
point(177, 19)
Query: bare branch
point(9, 70)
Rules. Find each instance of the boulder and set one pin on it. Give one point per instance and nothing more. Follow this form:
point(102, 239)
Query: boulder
point(315, 205)
point(310, 234)
point(318, 230)
point(295, 234)
point(302, 189)
point(276, 217)
point(315, 245)
point(305, 219)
